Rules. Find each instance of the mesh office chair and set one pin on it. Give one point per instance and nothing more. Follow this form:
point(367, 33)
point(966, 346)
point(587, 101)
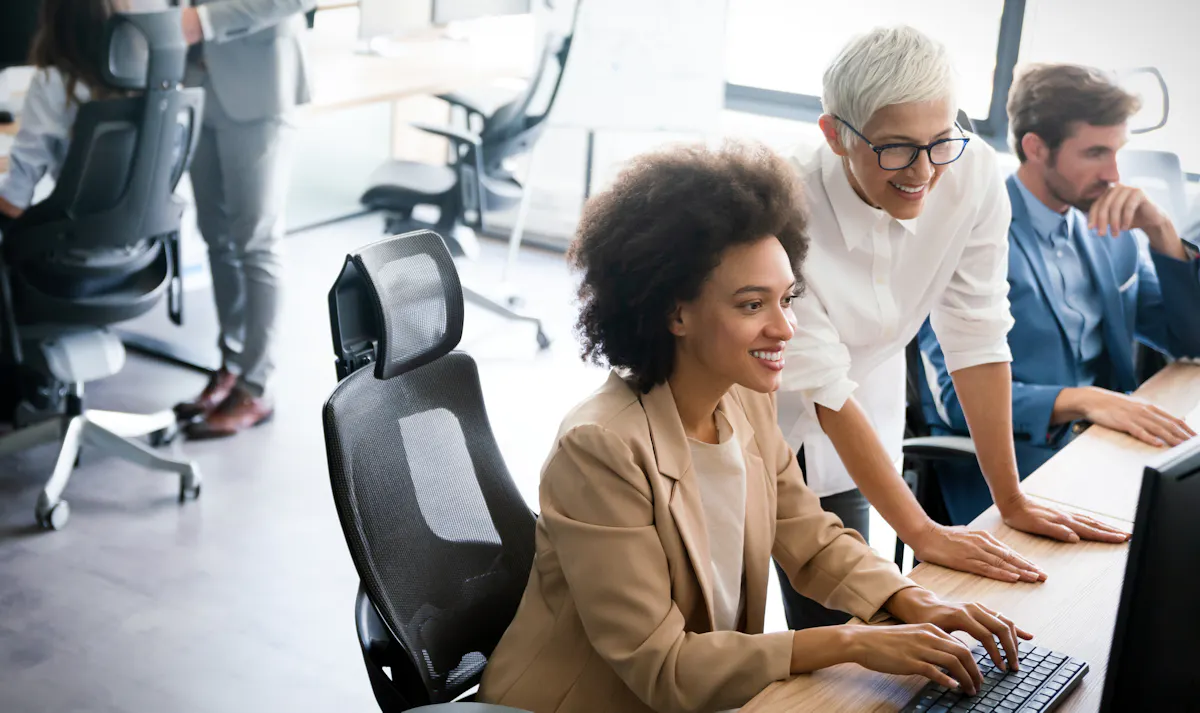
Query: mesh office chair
point(101, 249)
point(441, 538)
point(478, 178)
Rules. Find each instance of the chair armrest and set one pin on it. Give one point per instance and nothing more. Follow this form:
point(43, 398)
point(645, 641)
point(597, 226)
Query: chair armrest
point(939, 447)
point(455, 135)
point(459, 99)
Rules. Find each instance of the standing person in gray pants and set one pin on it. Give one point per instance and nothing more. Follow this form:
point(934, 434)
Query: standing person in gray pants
point(248, 57)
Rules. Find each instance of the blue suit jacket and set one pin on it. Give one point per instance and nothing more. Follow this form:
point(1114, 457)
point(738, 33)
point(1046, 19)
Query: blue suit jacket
point(1146, 297)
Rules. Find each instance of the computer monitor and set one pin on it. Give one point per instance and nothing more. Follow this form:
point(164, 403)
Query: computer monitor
point(1155, 650)
point(447, 11)
point(18, 23)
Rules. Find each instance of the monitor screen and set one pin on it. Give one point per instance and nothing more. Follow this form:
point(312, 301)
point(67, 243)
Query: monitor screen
point(18, 23)
point(446, 11)
point(1154, 653)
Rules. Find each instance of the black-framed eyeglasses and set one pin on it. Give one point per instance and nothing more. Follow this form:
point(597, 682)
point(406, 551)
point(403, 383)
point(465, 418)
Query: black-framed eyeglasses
point(897, 157)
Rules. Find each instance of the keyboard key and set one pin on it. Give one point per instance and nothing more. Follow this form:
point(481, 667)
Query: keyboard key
point(939, 708)
point(1006, 708)
point(962, 707)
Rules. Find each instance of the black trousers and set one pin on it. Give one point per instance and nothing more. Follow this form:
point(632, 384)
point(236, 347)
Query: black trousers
point(801, 612)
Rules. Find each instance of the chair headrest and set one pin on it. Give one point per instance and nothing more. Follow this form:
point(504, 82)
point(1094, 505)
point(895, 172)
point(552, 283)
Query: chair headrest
point(145, 50)
point(398, 303)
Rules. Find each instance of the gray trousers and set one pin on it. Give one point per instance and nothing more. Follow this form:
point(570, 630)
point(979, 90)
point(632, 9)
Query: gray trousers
point(801, 612)
point(240, 180)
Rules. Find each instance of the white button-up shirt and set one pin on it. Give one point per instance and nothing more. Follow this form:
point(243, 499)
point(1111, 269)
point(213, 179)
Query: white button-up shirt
point(871, 282)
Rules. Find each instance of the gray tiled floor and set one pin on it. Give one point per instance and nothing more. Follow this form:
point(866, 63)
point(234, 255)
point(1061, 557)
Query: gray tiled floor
point(240, 601)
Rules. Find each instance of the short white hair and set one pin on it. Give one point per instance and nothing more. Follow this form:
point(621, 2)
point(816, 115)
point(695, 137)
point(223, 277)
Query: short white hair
point(888, 65)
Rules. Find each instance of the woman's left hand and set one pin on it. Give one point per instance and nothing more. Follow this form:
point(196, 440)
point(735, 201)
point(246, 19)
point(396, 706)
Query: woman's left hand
point(917, 605)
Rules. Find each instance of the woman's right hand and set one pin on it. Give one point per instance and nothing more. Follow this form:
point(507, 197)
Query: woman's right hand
point(920, 649)
point(974, 551)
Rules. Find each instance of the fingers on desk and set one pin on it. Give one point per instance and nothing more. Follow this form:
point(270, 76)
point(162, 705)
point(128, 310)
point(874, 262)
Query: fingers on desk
point(1005, 559)
point(1090, 528)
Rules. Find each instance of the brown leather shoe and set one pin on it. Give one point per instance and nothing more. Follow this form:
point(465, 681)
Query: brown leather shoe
point(219, 386)
point(241, 410)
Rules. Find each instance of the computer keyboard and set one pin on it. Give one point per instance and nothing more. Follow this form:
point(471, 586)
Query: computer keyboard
point(1045, 678)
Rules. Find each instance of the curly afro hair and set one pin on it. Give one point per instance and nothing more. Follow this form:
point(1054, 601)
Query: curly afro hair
point(650, 241)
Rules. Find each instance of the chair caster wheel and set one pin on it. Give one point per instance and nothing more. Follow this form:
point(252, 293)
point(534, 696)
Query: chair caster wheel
point(542, 340)
point(55, 517)
point(189, 485)
point(164, 436)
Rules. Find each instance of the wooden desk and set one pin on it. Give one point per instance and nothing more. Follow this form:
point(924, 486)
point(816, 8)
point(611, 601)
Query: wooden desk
point(1073, 611)
point(1101, 470)
point(430, 64)
point(342, 78)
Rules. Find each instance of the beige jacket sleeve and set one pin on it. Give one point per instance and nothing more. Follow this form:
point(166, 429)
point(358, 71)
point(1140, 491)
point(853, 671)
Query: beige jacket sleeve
point(598, 512)
point(825, 561)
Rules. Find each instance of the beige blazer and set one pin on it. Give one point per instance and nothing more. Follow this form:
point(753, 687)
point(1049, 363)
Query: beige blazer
point(617, 615)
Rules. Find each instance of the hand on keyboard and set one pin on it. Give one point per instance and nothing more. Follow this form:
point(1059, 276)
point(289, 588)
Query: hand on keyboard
point(921, 649)
point(916, 605)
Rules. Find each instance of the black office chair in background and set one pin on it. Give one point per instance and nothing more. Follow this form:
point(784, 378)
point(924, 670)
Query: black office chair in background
point(478, 177)
point(922, 450)
point(102, 248)
point(440, 536)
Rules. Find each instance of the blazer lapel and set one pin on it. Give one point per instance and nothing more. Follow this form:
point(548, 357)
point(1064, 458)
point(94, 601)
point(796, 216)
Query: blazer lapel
point(674, 459)
point(757, 540)
point(1117, 339)
point(1026, 241)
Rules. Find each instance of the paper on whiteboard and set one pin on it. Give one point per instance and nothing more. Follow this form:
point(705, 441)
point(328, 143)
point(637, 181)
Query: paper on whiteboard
point(644, 65)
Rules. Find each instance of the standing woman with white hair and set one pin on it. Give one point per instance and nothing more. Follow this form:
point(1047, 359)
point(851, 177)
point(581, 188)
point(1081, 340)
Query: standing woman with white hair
point(909, 219)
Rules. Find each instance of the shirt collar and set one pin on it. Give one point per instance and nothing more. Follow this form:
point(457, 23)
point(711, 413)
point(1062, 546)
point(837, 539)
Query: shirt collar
point(1045, 220)
point(855, 217)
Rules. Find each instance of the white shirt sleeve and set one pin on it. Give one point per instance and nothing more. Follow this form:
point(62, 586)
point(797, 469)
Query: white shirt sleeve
point(972, 317)
point(817, 360)
point(40, 146)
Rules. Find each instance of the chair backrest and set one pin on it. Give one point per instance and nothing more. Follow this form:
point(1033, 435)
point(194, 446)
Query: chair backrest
point(514, 127)
point(440, 536)
point(102, 247)
point(1158, 173)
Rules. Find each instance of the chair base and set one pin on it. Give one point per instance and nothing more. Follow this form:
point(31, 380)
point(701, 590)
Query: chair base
point(109, 432)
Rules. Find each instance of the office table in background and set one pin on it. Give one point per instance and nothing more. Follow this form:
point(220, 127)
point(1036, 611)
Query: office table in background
point(1073, 611)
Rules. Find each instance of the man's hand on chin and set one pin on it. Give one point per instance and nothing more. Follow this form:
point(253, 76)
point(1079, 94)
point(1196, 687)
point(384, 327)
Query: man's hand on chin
point(193, 31)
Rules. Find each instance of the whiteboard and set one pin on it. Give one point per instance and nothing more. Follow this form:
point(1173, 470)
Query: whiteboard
point(645, 65)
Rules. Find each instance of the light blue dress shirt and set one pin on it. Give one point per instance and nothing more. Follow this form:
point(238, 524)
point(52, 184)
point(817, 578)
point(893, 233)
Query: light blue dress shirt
point(1070, 281)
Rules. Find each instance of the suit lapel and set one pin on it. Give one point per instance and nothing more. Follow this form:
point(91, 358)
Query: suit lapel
point(674, 459)
point(1026, 241)
point(1117, 339)
point(756, 547)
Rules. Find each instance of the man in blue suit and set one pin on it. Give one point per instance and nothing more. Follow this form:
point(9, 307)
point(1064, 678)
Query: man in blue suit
point(1093, 266)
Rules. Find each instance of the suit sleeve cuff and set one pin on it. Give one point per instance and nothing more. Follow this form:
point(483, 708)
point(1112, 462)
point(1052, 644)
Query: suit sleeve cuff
point(1033, 410)
point(206, 27)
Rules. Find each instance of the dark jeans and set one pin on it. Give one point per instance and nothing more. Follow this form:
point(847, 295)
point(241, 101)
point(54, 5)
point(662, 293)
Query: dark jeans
point(802, 612)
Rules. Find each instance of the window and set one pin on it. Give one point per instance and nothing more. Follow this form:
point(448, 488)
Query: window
point(785, 45)
point(1119, 35)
